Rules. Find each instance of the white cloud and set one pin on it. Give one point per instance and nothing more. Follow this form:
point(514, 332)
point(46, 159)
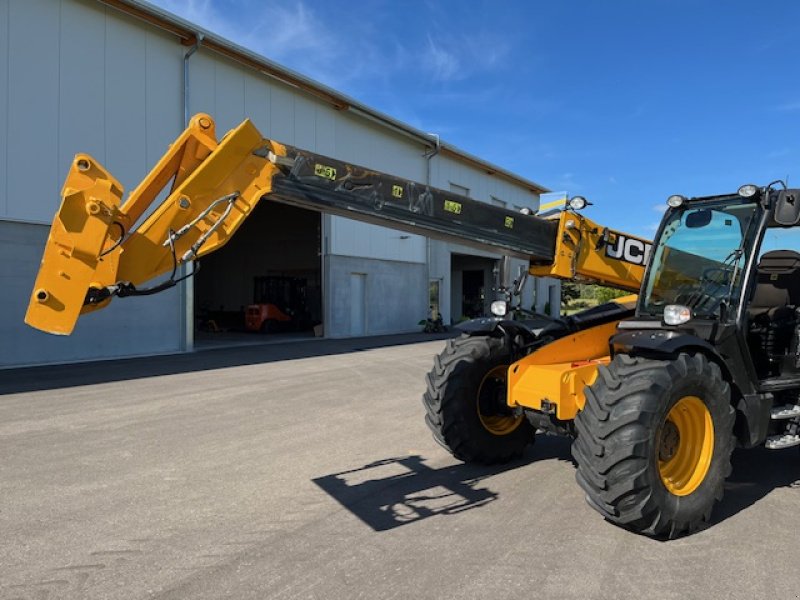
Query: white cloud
point(444, 65)
point(660, 208)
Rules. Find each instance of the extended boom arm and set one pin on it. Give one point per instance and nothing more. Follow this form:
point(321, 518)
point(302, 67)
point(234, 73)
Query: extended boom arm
point(100, 247)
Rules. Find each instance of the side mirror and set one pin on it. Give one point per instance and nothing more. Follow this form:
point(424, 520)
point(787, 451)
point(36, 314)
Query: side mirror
point(787, 207)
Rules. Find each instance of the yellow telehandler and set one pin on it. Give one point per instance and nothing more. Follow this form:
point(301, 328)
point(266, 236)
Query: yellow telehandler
point(655, 390)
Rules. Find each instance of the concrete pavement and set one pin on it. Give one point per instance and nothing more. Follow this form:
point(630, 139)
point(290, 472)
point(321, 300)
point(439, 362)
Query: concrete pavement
point(306, 471)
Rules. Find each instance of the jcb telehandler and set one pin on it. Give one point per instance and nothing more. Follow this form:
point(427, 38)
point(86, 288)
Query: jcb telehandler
point(656, 391)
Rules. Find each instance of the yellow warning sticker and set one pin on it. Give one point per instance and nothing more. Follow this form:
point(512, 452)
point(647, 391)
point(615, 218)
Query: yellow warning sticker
point(452, 206)
point(324, 171)
point(510, 222)
point(397, 191)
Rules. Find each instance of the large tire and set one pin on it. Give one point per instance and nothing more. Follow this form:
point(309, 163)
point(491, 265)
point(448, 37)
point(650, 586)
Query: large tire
point(654, 443)
point(465, 402)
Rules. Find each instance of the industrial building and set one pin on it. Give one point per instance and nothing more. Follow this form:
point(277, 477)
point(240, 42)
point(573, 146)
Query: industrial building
point(118, 79)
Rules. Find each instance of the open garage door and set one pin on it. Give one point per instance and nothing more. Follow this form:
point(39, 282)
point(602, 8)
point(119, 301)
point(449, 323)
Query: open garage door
point(265, 284)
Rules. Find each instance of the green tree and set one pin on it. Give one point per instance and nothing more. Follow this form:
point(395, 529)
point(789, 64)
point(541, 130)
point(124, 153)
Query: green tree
point(569, 291)
point(605, 294)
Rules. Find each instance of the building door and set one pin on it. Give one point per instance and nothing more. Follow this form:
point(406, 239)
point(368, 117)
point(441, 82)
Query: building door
point(358, 304)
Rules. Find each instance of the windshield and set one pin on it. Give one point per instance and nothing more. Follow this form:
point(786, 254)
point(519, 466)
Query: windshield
point(699, 257)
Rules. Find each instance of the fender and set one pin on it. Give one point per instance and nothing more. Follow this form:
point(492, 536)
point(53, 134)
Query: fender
point(529, 330)
point(752, 408)
point(666, 343)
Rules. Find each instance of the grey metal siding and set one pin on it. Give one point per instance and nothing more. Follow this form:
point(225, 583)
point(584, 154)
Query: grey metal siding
point(128, 327)
point(394, 303)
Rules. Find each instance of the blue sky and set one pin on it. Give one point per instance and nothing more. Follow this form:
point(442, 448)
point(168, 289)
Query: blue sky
point(625, 102)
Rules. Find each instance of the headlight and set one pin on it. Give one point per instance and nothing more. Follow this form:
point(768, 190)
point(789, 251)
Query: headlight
point(676, 314)
point(676, 200)
point(499, 308)
point(748, 190)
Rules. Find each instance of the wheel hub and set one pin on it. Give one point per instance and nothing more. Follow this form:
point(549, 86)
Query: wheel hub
point(493, 412)
point(685, 446)
point(670, 440)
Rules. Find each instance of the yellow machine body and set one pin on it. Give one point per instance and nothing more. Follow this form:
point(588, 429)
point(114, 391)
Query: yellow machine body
point(552, 379)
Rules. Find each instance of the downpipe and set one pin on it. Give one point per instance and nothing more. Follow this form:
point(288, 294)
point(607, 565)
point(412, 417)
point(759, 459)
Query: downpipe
point(186, 290)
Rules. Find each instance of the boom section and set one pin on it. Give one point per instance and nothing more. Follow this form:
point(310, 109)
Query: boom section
point(101, 246)
point(317, 182)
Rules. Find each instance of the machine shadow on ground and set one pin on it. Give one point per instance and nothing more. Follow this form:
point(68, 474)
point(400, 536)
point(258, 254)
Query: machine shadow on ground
point(756, 473)
point(392, 492)
point(40, 378)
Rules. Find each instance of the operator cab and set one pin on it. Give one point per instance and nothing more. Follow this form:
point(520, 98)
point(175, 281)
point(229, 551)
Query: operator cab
point(724, 278)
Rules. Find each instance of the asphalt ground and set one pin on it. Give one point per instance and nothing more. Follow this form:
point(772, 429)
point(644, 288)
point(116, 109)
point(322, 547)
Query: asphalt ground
point(305, 471)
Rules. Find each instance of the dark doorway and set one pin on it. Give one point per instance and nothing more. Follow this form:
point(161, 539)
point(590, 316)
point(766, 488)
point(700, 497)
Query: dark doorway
point(473, 293)
point(271, 266)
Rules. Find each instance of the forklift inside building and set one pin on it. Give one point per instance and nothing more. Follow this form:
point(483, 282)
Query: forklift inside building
point(264, 285)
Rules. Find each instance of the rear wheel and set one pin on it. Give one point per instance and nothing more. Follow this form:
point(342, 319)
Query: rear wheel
point(465, 402)
point(654, 443)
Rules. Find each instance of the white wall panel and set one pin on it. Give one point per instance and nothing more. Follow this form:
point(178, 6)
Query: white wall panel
point(81, 85)
point(326, 131)
point(229, 96)
point(281, 120)
point(125, 106)
point(482, 186)
point(305, 123)
point(202, 84)
point(164, 97)
point(33, 175)
point(257, 94)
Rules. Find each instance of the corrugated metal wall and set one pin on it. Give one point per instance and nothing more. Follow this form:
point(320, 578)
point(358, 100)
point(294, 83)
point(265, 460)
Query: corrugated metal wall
point(76, 75)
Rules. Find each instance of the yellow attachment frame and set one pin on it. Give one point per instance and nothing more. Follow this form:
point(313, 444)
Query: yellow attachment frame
point(97, 241)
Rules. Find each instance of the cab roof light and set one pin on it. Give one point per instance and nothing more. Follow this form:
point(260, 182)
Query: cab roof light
point(676, 201)
point(748, 190)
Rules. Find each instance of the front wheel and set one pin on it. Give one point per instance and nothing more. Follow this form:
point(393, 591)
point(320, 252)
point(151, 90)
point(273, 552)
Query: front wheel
point(465, 402)
point(654, 442)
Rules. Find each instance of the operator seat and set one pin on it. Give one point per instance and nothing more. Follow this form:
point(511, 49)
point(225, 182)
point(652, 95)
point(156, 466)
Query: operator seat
point(772, 310)
point(777, 290)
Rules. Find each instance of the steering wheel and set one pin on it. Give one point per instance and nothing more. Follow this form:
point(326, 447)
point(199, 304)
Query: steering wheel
point(717, 275)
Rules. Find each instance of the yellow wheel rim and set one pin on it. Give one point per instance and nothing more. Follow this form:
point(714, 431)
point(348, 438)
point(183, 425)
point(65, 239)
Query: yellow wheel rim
point(685, 446)
point(491, 400)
